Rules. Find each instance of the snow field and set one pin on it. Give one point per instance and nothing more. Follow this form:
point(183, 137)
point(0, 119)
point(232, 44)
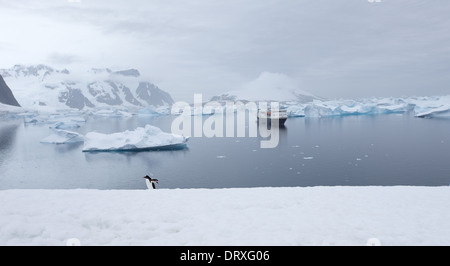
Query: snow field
point(231, 217)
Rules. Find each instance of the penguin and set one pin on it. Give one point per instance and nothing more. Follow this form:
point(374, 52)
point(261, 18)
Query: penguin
point(150, 182)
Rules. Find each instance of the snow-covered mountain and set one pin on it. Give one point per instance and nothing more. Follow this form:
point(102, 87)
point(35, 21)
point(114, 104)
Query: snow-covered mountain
point(269, 87)
point(6, 95)
point(41, 86)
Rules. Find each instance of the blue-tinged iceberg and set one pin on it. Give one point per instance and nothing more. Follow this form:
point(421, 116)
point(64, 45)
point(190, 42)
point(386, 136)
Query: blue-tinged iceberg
point(419, 106)
point(141, 139)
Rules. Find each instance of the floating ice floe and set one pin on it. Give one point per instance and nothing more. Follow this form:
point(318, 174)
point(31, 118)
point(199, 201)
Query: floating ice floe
point(63, 137)
point(56, 121)
point(141, 139)
point(65, 125)
point(154, 111)
point(111, 113)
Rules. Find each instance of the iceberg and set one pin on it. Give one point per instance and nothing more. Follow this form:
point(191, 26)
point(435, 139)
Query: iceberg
point(111, 113)
point(442, 111)
point(318, 108)
point(296, 111)
point(63, 137)
point(65, 125)
point(428, 107)
point(141, 139)
point(152, 111)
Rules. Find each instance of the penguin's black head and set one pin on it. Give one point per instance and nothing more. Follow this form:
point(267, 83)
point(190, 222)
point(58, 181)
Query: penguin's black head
point(147, 177)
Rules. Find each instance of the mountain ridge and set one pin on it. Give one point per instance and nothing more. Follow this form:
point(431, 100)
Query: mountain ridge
point(42, 86)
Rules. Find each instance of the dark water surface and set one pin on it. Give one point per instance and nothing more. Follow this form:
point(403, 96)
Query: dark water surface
point(382, 150)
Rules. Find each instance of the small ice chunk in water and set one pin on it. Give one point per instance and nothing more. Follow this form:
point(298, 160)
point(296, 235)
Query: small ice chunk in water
point(65, 125)
point(308, 158)
point(63, 137)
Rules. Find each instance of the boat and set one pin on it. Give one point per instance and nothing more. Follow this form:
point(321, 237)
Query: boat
point(270, 115)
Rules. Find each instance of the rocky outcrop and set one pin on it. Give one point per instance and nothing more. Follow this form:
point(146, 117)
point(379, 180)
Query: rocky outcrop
point(6, 95)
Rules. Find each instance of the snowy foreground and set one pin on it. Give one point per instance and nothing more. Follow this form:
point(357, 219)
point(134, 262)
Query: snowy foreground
point(259, 216)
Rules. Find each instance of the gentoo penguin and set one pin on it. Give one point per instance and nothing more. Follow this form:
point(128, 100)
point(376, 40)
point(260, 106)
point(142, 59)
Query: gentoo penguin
point(150, 182)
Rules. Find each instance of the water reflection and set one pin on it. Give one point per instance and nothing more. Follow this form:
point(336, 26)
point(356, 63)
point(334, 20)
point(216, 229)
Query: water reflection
point(369, 150)
point(129, 155)
point(8, 133)
point(65, 148)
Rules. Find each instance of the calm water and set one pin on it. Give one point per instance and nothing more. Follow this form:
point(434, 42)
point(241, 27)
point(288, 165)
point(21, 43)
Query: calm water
point(351, 151)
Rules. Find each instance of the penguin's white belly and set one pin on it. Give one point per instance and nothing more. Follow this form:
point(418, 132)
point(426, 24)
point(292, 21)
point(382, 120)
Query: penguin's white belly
point(149, 184)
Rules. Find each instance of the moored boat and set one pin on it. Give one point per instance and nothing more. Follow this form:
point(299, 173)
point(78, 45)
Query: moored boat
point(271, 115)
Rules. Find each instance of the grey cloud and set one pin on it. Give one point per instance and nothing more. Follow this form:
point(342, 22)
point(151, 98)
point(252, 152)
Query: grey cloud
point(63, 59)
point(339, 48)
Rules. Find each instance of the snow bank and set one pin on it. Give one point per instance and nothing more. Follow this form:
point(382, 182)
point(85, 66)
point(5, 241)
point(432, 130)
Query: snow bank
point(63, 137)
point(147, 138)
point(14, 112)
point(227, 217)
point(9, 108)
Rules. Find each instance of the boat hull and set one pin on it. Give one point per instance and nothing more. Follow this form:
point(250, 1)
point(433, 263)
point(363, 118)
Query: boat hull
point(281, 121)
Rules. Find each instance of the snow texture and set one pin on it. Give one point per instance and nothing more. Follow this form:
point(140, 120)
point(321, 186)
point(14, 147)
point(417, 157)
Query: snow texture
point(148, 138)
point(227, 217)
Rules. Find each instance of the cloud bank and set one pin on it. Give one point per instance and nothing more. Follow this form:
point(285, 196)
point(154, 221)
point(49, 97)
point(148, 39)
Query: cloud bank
point(344, 48)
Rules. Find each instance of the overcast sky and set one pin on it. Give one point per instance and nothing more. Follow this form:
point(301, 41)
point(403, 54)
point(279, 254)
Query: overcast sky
point(331, 48)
